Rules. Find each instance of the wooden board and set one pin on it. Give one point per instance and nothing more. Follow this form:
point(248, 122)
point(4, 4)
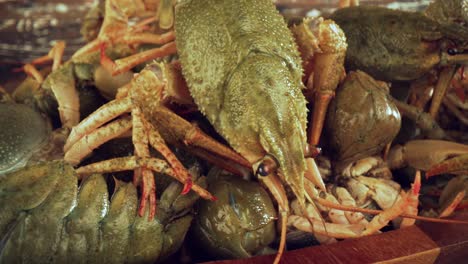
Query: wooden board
point(423, 243)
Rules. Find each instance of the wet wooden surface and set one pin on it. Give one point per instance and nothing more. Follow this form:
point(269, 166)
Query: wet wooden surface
point(28, 28)
point(423, 243)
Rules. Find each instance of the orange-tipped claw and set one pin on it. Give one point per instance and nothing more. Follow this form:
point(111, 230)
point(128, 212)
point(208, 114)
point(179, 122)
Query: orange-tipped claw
point(148, 193)
point(125, 64)
point(455, 165)
point(187, 186)
point(416, 186)
point(106, 62)
point(413, 201)
point(453, 205)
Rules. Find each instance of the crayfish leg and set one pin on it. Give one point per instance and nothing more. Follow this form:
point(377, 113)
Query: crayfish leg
point(322, 45)
point(326, 229)
point(142, 135)
point(55, 55)
point(423, 120)
point(450, 102)
point(382, 219)
point(99, 117)
point(413, 201)
point(149, 38)
point(148, 187)
point(345, 198)
point(445, 78)
point(132, 163)
point(191, 135)
point(157, 142)
point(89, 142)
point(89, 47)
point(125, 64)
point(32, 71)
point(448, 209)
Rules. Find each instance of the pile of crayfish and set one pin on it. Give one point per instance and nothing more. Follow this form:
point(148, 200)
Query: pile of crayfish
point(245, 132)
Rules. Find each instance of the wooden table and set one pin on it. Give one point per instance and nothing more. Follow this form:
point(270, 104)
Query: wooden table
point(422, 243)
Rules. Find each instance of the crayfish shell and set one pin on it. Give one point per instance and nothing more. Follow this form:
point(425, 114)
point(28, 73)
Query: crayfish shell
point(362, 118)
point(23, 131)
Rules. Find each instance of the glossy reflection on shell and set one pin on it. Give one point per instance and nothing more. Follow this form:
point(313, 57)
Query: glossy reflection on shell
point(362, 118)
point(240, 223)
point(23, 131)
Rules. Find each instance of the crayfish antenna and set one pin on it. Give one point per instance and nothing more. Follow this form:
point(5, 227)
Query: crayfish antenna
point(274, 185)
point(327, 203)
point(282, 245)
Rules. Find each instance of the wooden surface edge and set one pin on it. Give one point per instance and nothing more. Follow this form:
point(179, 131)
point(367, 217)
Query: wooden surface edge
point(383, 247)
point(422, 243)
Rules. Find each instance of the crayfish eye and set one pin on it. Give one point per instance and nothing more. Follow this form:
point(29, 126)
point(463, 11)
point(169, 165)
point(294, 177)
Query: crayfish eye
point(452, 51)
point(267, 166)
point(262, 170)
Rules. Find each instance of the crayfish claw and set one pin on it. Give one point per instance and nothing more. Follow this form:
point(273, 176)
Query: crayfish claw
point(187, 186)
point(148, 194)
point(106, 62)
point(454, 165)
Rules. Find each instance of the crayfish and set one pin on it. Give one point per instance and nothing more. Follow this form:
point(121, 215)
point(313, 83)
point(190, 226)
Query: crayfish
point(240, 65)
point(394, 45)
point(44, 203)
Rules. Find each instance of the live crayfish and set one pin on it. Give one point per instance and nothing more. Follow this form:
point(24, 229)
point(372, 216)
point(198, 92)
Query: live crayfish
point(47, 217)
point(40, 112)
point(23, 132)
point(394, 45)
point(240, 224)
point(260, 137)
